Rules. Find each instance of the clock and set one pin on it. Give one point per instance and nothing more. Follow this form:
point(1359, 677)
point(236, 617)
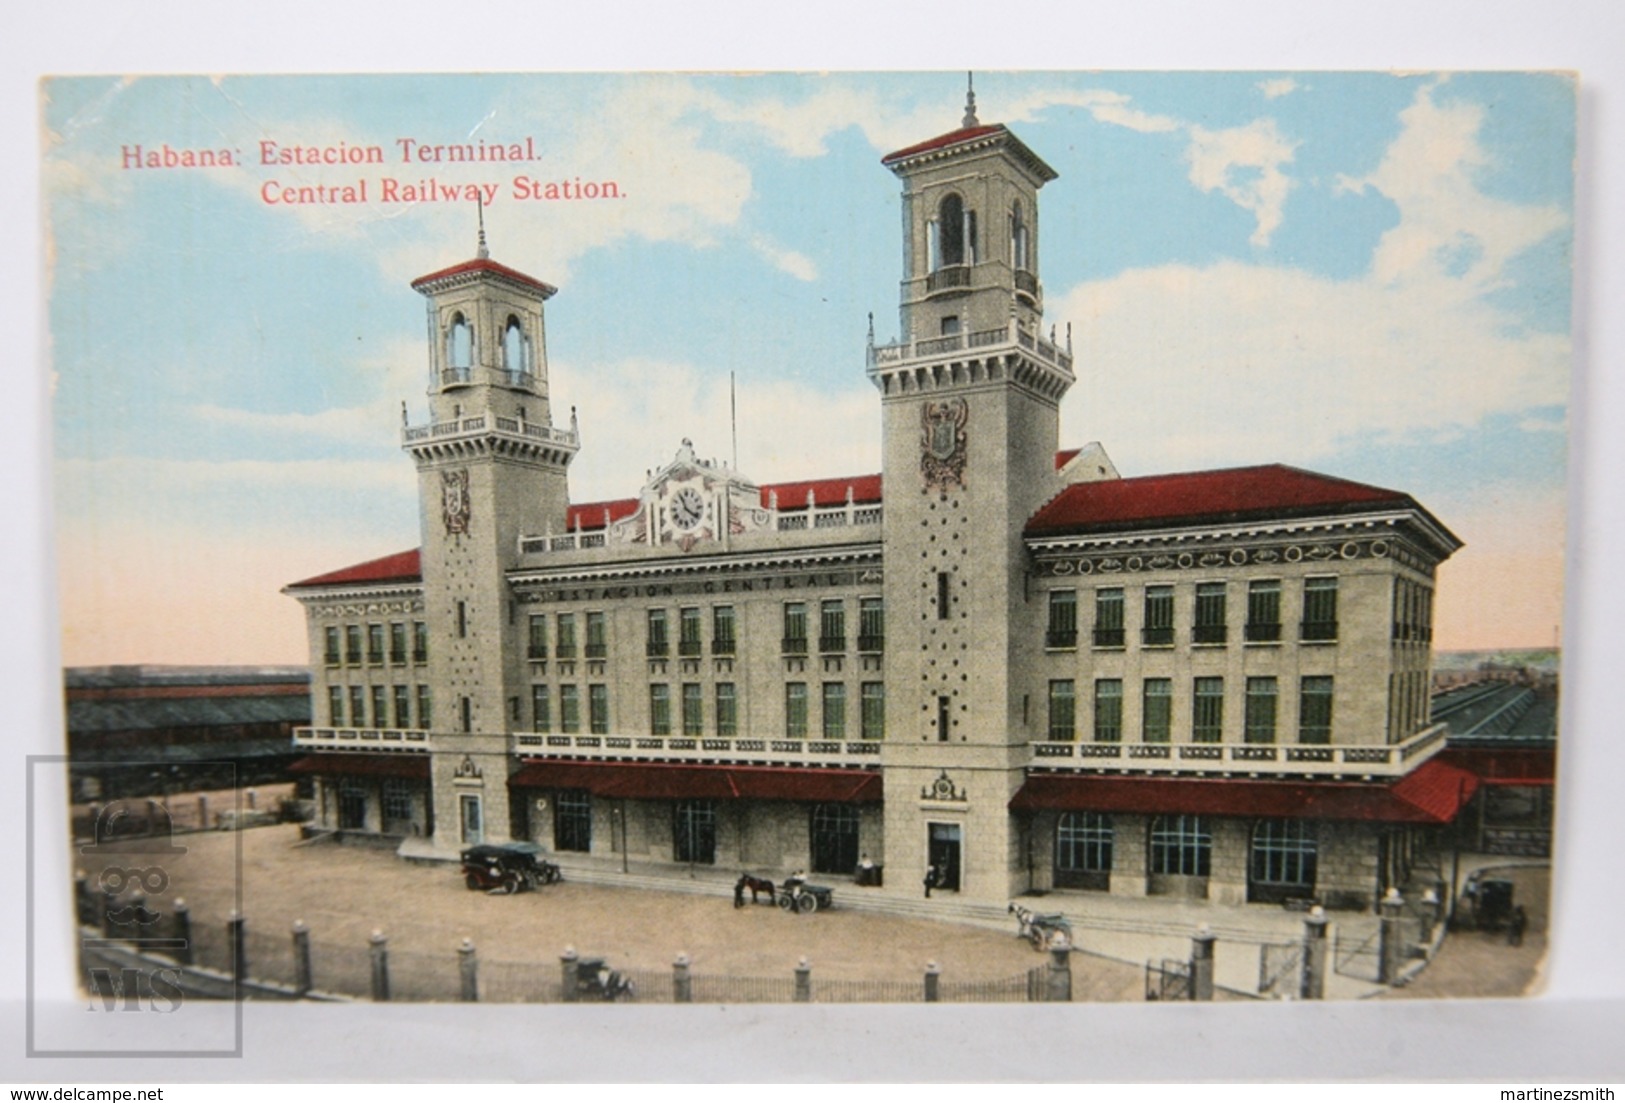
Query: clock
point(687, 508)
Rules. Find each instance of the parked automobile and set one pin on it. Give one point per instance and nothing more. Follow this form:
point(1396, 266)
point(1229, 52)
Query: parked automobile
point(507, 867)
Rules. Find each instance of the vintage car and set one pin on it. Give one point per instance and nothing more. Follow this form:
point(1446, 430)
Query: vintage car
point(507, 867)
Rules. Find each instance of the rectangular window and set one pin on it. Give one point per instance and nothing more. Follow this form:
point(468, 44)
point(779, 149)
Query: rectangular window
point(1108, 710)
point(1260, 717)
point(358, 707)
point(1315, 710)
point(727, 711)
point(569, 709)
point(942, 595)
point(335, 706)
point(659, 709)
point(722, 630)
point(537, 642)
point(1063, 619)
point(693, 709)
point(1158, 630)
point(572, 820)
point(352, 644)
point(403, 707)
point(566, 635)
point(397, 799)
point(333, 651)
point(689, 641)
point(420, 642)
point(795, 628)
point(659, 643)
point(462, 619)
point(468, 713)
point(1264, 610)
point(1062, 710)
point(541, 709)
point(871, 624)
point(397, 644)
point(834, 710)
point(795, 710)
point(1319, 610)
point(375, 644)
point(425, 713)
point(1109, 618)
point(597, 636)
point(1210, 613)
point(1157, 713)
point(1207, 711)
point(598, 709)
point(943, 719)
point(873, 706)
point(832, 627)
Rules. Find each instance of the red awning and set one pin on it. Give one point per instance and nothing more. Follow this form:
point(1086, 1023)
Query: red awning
point(659, 781)
point(1432, 793)
point(1506, 765)
point(413, 767)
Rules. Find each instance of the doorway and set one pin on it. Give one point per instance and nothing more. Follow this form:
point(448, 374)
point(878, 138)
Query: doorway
point(473, 820)
point(943, 854)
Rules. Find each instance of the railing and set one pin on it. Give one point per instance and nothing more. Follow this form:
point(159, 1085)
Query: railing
point(353, 739)
point(1027, 282)
point(948, 278)
point(665, 748)
point(826, 517)
point(510, 426)
point(902, 352)
point(1243, 758)
point(1061, 638)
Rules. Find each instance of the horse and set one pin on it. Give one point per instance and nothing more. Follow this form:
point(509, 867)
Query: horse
point(1040, 930)
point(756, 885)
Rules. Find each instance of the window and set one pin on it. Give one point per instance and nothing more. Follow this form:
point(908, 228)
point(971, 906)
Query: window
point(1108, 710)
point(1209, 626)
point(566, 635)
point(950, 326)
point(541, 709)
point(833, 838)
point(727, 711)
point(722, 630)
point(1157, 714)
point(954, 233)
point(569, 709)
point(1259, 722)
point(1315, 709)
point(420, 642)
point(335, 706)
point(459, 343)
point(375, 644)
point(537, 644)
point(515, 348)
point(1207, 711)
point(397, 644)
point(1018, 239)
point(597, 645)
point(1264, 610)
point(333, 649)
point(1284, 854)
point(659, 710)
point(693, 709)
point(659, 644)
point(352, 644)
point(572, 820)
point(834, 710)
point(1158, 630)
point(795, 710)
point(689, 642)
point(425, 713)
point(942, 595)
point(872, 697)
point(462, 619)
point(1109, 618)
point(871, 624)
point(944, 724)
point(832, 627)
point(695, 832)
point(380, 707)
point(468, 713)
point(397, 800)
point(403, 707)
point(1083, 850)
point(795, 628)
point(358, 707)
point(1063, 619)
point(1062, 710)
point(598, 709)
point(1319, 610)
point(1181, 846)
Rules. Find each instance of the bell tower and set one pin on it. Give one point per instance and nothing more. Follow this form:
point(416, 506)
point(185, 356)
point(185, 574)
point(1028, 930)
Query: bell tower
point(970, 400)
point(491, 466)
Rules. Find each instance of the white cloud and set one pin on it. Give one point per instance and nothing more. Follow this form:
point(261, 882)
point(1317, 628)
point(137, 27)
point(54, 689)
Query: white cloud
point(1244, 164)
point(1278, 87)
point(785, 260)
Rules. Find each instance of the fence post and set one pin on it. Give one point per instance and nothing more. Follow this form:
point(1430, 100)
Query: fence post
point(1058, 986)
point(1391, 938)
point(567, 973)
point(468, 969)
point(1202, 963)
point(380, 966)
point(183, 931)
point(239, 947)
point(803, 981)
point(1431, 911)
point(303, 982)
point(152, 817)
point(1312, 975)
point(682, 985)
point(933, 982)
point(203, 811)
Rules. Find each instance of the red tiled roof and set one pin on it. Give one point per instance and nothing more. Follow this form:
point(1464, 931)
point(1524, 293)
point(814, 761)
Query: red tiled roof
point(1065, 456)
point(589, 516)
point(1232, 494)
point(826, 492)
point(942, 141)
point(413, 767)
point(401, 567)
point(659, 781)
point(1505, 765)
point(1432, 793)
point(485, 264)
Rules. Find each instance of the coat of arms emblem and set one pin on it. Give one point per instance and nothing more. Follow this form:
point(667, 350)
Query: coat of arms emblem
point(942, 458)
point(455, 507)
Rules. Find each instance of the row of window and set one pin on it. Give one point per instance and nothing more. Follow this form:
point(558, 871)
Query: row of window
point(1260, 719)
point(687, 714)
point(1283, 852)
point(1209, 618)
point(1413, 612)
point(691, 621)
point(365, 644)
point(1409, 699)
point(397, 706)
point(951, 238)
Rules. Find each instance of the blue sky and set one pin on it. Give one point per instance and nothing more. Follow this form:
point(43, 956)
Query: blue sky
point(1364, 274)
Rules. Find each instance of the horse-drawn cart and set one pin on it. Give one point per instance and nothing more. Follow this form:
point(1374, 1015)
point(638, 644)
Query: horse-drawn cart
point(798, 896)
point(1043, 931)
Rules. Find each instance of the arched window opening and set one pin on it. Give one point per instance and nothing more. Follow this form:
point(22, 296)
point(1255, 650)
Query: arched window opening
point(1083, 850)
point(834, 838)
point(513, 347)
point(460, 343)
point(1181, 846)
point(950, 231)
point(1283, 861)
point(1019, 259)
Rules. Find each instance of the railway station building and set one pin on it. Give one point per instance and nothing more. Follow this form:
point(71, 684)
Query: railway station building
point(996, 657)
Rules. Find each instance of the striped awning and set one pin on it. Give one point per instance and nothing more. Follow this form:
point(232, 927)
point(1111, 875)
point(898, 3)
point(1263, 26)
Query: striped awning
point(662, 781)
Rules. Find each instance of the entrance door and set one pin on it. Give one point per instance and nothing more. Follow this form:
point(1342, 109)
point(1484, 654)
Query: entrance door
point(695, 835)
point(473, 820)
point(352, 806)
point(944, 854)
point(834, 838)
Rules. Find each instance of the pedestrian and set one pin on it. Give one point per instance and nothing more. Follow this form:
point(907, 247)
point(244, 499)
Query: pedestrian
point(1515, 928)
point(931, 880)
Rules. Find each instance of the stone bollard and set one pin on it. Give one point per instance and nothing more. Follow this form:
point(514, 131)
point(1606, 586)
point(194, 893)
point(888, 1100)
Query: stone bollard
point(933, 982)
point(152, 817)
point(1058, 981)
point(203, 811)
point(235, 932)
point(803, 981)
point(1432, 909)
point(567, 973)
point(183, 931)
point(303, 980)
point(468, 970)
point(253, 799)
point(1202, 963)
point(380, 966)
point(1312, 978)
point(1391, 938)
point(682, 984)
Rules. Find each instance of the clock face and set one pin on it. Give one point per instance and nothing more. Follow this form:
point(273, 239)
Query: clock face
point(687, 508)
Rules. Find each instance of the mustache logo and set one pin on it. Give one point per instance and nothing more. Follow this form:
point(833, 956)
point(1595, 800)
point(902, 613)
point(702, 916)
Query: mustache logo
point(138, 914)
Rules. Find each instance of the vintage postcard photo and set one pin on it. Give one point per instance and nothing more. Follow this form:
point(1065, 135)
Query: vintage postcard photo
point(866, 538)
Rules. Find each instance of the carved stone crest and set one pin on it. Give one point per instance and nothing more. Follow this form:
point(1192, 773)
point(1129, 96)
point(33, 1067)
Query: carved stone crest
point(942, 444)
point(943, 788)
point(455, 506)
point(467, 769)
